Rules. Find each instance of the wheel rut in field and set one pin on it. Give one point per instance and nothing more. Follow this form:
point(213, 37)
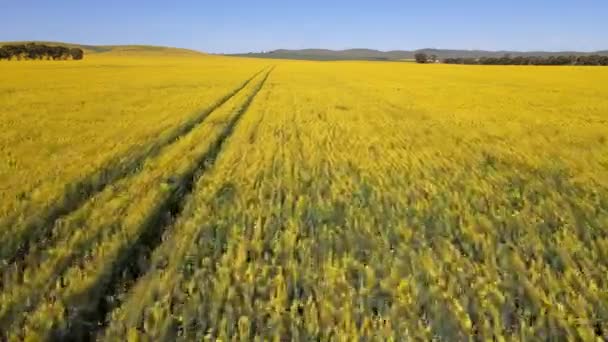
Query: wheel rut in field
point(87, 325)
point(37, 230)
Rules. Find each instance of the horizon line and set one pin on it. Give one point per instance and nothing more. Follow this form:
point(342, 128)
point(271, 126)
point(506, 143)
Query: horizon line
point(308, 48)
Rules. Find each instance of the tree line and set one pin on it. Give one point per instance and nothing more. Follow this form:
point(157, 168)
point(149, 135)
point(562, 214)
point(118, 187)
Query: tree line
point(39, 51)
point(520, 60)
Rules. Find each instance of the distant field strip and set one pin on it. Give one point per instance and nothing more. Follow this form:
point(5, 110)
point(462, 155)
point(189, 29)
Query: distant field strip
point(18, 234)
point(93, 245)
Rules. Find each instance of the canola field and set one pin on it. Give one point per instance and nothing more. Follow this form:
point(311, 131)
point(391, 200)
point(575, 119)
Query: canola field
point(212, 198)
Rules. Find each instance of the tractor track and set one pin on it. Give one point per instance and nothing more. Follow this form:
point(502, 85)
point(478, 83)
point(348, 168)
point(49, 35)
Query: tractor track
point(38, 229)
point(87, 325)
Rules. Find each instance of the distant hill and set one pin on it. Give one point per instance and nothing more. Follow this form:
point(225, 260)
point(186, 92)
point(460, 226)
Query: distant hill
point(395, 55)
point(118, 49)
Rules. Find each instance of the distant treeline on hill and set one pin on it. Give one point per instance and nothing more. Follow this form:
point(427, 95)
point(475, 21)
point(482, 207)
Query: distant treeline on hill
point(39, 51)
point(525, 60)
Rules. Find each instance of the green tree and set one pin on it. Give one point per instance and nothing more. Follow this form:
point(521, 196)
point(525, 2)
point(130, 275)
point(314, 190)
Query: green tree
point(76, 53)
point(421, 58)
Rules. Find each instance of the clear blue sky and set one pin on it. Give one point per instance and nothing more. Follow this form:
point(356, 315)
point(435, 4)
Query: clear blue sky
point(242, 26)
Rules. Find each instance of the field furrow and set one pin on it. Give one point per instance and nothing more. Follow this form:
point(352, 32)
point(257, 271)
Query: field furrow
point(197, 240)
point(58, 231)
point(17, 235)
point(79, 268)
point(124, 277)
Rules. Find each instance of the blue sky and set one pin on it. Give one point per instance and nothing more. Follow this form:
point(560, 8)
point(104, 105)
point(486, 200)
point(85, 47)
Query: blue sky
point(242, 26)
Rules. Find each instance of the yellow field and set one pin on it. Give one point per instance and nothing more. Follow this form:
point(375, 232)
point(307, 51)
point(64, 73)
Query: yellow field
point(192, 198)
